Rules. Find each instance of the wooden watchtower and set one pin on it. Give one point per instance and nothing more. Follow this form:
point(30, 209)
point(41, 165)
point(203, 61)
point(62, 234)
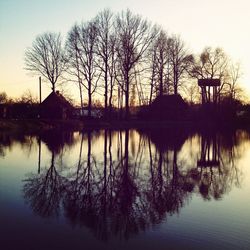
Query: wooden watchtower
point(209, 90)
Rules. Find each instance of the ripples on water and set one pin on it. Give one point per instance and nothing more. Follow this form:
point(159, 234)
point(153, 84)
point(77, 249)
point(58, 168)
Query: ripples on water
point(110, 189)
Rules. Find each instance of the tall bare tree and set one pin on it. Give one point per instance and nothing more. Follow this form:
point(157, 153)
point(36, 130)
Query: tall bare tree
point(46, 57)
point(152, 71)
point(212, 63)
point(160, 64)
point(73, 60)
point(180, 60)
point(81, 44)
point(106, 52)
point(134, 37)
point(234, 74)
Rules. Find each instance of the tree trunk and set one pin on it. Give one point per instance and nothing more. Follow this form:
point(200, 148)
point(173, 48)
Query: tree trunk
point(175, 82)
point(106, 90)
point(89, 103)
point(127, 99)
point(80, 90)
point(175, 90)
point(161, 83)
point(110, 97)
point(53, 87)
point(151, 93)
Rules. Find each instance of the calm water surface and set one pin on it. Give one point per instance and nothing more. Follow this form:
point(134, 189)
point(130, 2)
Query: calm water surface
point(129, 189)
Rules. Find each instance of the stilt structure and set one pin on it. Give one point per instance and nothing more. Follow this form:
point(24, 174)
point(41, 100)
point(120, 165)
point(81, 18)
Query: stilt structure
point(209, 90)
point(209, 152)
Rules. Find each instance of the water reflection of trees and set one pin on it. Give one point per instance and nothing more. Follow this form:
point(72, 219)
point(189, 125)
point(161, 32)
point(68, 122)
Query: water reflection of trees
point(43, 191)
point(124, 182)
point(217, 171)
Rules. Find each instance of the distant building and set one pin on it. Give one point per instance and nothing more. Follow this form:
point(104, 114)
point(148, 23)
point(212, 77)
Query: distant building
point(55, 106)
point(3, 110)
point(210, 93)
point(95, 112)
point(165, 107)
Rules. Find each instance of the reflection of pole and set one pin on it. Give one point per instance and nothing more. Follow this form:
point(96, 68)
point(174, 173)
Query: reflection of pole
point(80, 156)
point(39, 155)
point(105, 159)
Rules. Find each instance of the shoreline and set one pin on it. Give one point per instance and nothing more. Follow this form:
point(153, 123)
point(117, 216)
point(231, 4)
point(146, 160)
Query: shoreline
point(35, 125)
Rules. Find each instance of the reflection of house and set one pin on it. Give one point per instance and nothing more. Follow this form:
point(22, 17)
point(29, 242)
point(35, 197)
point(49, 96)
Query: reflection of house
point(55, 106)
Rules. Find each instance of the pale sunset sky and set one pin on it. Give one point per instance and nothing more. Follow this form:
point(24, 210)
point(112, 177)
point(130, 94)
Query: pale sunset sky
point(201, 23)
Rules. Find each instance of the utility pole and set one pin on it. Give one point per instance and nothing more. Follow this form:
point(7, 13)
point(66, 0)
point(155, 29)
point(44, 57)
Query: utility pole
point(40, 89)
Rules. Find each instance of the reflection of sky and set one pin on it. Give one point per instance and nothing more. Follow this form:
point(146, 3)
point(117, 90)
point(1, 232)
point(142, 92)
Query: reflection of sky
point(201, 23)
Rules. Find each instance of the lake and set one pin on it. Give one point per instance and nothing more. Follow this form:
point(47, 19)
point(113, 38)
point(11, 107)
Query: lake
point(125, 189)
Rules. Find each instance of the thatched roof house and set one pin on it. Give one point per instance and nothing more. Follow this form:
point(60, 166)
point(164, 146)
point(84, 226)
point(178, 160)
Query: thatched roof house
point(55, 106)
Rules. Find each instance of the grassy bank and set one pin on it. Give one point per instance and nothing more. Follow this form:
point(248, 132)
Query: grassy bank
point(35, 125)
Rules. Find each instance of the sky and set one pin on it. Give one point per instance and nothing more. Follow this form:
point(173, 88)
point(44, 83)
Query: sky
point(200, 23)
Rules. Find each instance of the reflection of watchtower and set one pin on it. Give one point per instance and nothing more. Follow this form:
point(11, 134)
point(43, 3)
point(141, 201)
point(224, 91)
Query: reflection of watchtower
point(209, 90)
point(210, 152)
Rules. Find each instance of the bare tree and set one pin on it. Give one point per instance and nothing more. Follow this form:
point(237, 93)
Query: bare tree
point(73, 60)
point(159, 66)
point(215, 63)
point(134, 37)
point(180, 60)
point(3, 97)
point(234, 74)
point(212, 63)
point(152, 68)
point(46, 57)
point(106, 52)
point(81, 44)
point(192, 93)
point(28, 97)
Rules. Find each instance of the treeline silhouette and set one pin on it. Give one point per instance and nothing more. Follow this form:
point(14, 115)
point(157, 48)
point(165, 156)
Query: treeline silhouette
point(123, 60)
point(124, 182)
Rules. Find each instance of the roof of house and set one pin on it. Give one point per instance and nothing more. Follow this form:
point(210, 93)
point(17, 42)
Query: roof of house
point(169, 101)
point(56, 99)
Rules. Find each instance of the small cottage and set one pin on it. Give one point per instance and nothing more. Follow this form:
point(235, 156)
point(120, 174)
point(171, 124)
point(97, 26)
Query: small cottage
point(166, 107)
point(55, 106)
